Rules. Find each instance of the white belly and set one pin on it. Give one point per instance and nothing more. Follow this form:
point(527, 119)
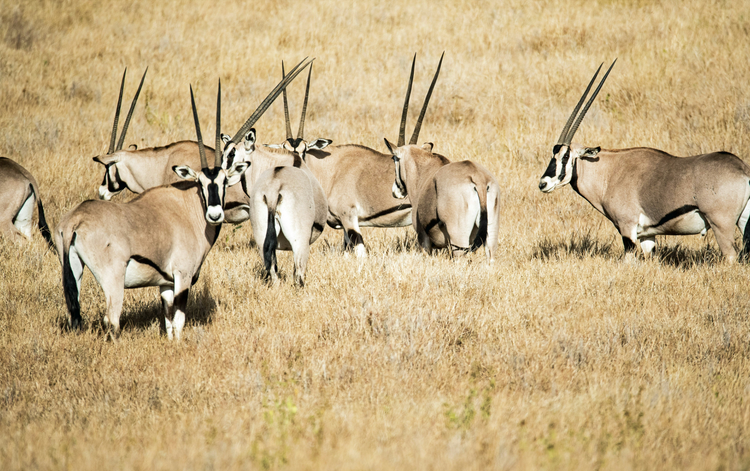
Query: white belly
point(139, 275)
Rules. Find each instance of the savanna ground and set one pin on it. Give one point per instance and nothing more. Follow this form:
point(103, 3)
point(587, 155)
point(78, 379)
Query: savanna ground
point(560, 355)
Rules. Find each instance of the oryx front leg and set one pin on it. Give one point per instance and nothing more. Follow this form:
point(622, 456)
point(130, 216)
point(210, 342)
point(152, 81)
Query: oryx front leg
point(353, 235)
point(174, 307)
point(647, 245)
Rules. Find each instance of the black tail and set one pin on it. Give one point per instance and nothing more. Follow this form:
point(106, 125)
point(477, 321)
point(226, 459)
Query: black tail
point(745, 252)
point(481, 237)
point(270, 244)
point(43, 228)
point(70, 288)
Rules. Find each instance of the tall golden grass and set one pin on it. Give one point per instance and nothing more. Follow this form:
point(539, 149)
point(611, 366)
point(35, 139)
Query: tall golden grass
point(558, 356)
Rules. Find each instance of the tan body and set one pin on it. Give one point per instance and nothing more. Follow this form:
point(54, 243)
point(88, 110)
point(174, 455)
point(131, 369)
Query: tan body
point(455, 205)
point(288, 205)
point(19, 194)
point(141, 169)
point(132, 257)
point(646, 192)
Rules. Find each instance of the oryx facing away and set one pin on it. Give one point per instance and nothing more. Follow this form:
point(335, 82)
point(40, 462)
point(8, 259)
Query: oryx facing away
point(454, 205)
point(18, 193)
point(646, 192)
point(288, 208)
point(160, 238)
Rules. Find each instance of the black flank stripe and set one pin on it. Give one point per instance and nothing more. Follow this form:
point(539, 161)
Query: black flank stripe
point(148, 262)
point(677, 213)
point(387, 211)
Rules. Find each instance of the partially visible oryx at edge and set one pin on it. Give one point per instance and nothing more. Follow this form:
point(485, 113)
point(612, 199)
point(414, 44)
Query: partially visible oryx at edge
point(18, 193)
point(288, 208)
point(138, 170)
point(646, 192)
point(160, 238)
point(454, 205)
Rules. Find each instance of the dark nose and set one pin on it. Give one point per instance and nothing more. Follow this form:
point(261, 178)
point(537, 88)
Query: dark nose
point(542, 184)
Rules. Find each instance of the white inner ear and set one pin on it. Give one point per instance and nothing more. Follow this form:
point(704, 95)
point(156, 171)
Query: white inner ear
point(234, 174)
point(225, 139)
point(185, 172)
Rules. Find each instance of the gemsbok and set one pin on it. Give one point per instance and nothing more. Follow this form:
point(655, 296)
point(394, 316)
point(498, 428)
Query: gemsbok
point(140, 169)
point(646, 192)
point(455, 205)
point(288, 208)
point(18, 193)
point(160, 238)
point(356, 181)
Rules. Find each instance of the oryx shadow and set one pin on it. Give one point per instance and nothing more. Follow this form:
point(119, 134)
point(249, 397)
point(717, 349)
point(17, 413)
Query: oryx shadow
point(578, 245)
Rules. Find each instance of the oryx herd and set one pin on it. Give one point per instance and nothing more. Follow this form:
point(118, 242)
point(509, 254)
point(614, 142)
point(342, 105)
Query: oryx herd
point(290, 191)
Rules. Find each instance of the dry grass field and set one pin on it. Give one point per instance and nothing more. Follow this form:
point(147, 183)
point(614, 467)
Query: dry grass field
point(559, 356)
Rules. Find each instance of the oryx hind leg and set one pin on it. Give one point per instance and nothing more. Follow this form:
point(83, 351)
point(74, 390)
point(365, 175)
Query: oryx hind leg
point(493, 223)
point(744, 224)
point(112, 281)
point(23, 219)
point(297, 230)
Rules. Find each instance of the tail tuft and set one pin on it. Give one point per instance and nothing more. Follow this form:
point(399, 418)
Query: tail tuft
point(70, 288)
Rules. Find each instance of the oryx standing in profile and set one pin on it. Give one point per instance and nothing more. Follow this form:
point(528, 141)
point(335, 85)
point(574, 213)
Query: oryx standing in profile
point(18, 193)
point(288, 208)
point(454, 205)
point(646, 192)
point(160, 238)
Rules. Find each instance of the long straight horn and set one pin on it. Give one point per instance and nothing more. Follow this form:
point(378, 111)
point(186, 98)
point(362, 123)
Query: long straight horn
point(117, 115)
point(217, 149)
point(269, 99)
point(286, 108)
point(417, 128)
point(201, 148)
point(564, 133)
point(588, 105)
point(130, 113)
point(402, 128)
point(304, 106)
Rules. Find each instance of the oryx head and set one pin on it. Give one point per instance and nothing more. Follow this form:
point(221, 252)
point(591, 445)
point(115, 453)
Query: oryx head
point(214, 180)
point(240, 147)
point(299, 145)
point(564, 155)
point(403, 155)
point(114, 181)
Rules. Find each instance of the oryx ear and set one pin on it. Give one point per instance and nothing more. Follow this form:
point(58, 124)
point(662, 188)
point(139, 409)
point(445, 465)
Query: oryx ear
point(185, 172)
point(249, 140)
point(319, 144)
point(389, 146)
point(234, 174)
point(274, 146)
point(427, 146)
point(132, 147)
point(286, 145)
point(591, 151)
point(225, 139)
point(107, 159)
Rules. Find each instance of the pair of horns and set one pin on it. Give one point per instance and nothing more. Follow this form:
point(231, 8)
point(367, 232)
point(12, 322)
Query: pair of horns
point(120, 143)
point(300, 134)
point(250, 121)
point(566, 137)
point(201, 147)
point(418, 127)
point(270, 99)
